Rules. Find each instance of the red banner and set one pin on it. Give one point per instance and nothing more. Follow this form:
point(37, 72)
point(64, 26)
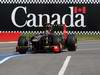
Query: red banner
point(9, 36)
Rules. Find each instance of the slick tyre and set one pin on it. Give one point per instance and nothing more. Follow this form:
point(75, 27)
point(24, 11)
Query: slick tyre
point(71, 43)
point(23, 44)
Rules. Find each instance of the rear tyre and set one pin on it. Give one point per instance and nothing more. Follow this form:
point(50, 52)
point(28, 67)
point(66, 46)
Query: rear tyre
point(34, 50)
point(23, 45)
point(71, 43)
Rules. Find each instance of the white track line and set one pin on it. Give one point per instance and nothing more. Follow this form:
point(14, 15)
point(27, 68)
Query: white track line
point(8, 42)
point(63, 68)
point(7, 58)
point(7, 48)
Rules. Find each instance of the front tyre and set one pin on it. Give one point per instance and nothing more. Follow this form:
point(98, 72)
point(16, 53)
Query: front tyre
point(22, 46)
point(71, 43)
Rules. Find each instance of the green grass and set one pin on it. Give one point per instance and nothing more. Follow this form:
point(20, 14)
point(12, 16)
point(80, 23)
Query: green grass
point(80, 37)
point(27, 35)
point(87, 37)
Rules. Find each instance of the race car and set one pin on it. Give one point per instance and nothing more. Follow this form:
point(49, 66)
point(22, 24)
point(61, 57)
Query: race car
point(48, 41)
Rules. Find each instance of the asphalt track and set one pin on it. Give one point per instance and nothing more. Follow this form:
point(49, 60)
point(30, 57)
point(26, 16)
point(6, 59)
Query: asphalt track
point(85, 61)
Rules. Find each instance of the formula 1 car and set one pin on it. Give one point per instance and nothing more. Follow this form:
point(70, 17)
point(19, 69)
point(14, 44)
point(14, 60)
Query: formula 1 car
point(48, 41)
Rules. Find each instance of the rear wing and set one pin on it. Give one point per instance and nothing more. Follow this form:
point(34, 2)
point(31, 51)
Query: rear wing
point(57, 28)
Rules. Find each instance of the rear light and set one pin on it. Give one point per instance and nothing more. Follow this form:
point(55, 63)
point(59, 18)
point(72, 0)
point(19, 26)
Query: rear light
point(56, 49)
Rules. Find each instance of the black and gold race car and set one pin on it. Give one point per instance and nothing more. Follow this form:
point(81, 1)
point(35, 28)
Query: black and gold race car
point(48, 41)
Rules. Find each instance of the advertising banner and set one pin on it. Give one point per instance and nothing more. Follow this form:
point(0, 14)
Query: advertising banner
point(30, 15)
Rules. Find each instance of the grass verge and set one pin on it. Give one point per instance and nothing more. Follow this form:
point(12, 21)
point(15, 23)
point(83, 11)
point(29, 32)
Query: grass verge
point(83, 37)
point(80, 37)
